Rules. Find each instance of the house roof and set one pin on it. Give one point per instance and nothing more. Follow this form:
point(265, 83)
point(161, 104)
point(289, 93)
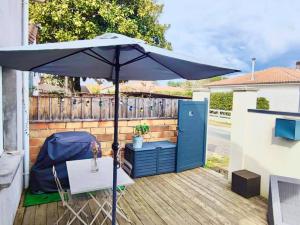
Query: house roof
point(275, 75)
point(145, 87)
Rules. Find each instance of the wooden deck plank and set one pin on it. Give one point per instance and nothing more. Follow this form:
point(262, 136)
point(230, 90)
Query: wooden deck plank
point(40, 214)
point(61, 209)
point(20, 212)
point(29, 216)
point(223, 206)
point(228, 197)
point(52, 213)
point(206, 205)
point(151, 212)
point(129, 212)
point(139, 209)
point(178, 209)
point(183, 201)
point(197, 196)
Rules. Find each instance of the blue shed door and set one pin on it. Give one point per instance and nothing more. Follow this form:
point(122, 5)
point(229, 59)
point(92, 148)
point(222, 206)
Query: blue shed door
point(192, 127)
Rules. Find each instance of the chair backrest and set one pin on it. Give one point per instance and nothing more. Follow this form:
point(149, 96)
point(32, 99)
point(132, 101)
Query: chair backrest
point(61, 191)
point(127, 167)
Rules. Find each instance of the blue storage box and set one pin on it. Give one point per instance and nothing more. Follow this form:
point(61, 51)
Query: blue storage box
point(287, 128)
point(153, 158)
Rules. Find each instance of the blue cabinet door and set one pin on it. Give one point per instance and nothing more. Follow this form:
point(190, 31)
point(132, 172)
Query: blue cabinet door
point(192, 129)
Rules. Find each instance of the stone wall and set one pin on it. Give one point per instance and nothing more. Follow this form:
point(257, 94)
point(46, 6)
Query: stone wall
point(159, 130)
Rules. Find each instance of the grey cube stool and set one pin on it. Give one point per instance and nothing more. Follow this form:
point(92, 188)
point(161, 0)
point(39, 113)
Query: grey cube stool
point(245, 183)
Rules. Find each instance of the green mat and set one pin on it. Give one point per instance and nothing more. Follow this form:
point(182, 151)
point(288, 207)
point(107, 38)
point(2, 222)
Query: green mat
point(38, 199)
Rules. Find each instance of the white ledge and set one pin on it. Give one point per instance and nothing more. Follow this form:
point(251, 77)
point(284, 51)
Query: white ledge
point(9, 164)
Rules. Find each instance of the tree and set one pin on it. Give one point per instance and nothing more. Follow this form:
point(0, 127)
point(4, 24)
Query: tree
point(64, 20)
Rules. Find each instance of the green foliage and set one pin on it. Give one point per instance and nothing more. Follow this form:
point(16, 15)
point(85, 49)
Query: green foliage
point(53, 80)
point(193, 84)
point(142, 129)
point(262, 103)
point(184, 93)
point(217, 161)
point(172, 83)
point(221, 100)
point(213, 79)
point(64, 20)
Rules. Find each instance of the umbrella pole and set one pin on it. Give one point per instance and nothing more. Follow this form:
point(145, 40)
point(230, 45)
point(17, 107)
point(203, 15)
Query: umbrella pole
point(115, 145)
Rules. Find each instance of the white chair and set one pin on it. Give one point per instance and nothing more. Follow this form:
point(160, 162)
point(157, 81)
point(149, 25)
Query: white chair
point(65, 197)
point(107, 200)
point(127, 167)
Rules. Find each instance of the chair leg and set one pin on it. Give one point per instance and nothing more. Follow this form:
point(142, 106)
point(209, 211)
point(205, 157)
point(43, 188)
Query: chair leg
point(77, 215)
point(101, 208)
point(62, 216)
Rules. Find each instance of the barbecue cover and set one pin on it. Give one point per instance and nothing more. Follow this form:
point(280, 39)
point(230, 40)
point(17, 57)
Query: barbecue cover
point(56, 150)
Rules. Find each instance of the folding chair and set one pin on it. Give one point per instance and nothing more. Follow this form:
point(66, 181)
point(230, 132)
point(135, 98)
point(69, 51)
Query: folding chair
point(65, 197)
point(107, 200)
point(121, 192)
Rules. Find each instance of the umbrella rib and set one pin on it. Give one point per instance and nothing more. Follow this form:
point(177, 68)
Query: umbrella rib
point(144, 55)
point(98, 58)
point(160, 63)
point(55, 60)
point(102, 57)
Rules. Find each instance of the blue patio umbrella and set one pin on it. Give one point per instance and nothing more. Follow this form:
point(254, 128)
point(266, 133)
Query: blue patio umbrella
point(113, 57)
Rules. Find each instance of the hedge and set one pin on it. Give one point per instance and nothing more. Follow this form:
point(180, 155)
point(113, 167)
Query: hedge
point(262, 103)
point(221, 100)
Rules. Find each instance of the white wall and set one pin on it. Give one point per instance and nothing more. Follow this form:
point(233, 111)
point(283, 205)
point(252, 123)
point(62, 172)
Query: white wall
point(220, 89)
point(201, 95)
point(10, 197)
point(11, 35)
point(255, 148)
point(242, 100)
point(284, 98)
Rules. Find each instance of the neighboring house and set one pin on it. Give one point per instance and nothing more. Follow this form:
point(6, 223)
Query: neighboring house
point(279, 85)
point(147, 89)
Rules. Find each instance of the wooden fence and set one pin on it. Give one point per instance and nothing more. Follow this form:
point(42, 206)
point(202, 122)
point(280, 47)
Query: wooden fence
point(48, 108)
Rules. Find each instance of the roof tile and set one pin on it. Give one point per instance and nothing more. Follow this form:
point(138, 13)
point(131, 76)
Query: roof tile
point(268, 76)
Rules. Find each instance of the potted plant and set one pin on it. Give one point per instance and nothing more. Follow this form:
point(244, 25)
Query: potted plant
point(139, 131)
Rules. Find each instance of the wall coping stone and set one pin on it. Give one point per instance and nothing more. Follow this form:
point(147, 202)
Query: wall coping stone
point(97, 120)
point(245, 89)
point(274, 112)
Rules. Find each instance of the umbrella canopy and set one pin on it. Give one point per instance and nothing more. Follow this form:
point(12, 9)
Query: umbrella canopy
point(110, 56)
point(96, 58)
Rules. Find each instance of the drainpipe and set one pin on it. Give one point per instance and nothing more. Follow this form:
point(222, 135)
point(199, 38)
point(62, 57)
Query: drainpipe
point(25, 88)
point(253, 69)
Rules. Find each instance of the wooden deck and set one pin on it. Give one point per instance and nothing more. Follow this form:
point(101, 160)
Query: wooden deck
point(198, 196)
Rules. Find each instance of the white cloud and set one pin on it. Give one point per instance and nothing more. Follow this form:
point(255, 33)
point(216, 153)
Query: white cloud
point(231, 32)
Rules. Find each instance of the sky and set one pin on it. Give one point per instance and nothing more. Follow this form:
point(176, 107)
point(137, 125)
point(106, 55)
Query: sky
point(231, 32)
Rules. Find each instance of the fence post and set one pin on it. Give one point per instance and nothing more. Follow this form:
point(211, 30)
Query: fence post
point(38, 107)
point(91, 102)
point(50, 108)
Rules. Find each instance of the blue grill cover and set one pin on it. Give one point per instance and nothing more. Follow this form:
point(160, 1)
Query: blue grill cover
point(56, 150)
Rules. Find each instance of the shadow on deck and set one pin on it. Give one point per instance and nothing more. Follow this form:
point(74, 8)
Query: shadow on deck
point(198, 196)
